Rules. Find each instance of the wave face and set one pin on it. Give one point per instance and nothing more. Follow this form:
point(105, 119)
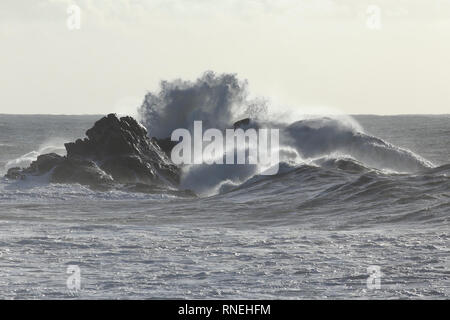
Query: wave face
point(26, 159)
point(325, 136)
point(343, 192)
point(220, 100)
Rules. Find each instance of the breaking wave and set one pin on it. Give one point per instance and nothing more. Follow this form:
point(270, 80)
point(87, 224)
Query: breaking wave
point(220, 100)
point(217, 100)
point(26, 159)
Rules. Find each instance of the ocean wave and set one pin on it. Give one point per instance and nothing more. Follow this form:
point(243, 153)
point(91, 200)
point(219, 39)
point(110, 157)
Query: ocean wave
point(25, 160)
point(313, 149)
point(326, 136)
point(220, 100)
point(39, 190)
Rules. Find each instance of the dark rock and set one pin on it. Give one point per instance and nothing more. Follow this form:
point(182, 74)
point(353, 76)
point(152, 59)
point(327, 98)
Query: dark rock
point(81, 171)
point(122, 149)
point(15, 173)
point(111, 136)
point(115, 151)
point(125, 168)
point(44, 163)
point(166, 144)
point(241, 123)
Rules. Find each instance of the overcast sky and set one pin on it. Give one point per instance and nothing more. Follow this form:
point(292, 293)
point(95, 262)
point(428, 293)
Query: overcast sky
point(353, 56)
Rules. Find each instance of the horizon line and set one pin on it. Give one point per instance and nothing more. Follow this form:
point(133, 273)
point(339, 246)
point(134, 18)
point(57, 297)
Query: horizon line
point(345, 114)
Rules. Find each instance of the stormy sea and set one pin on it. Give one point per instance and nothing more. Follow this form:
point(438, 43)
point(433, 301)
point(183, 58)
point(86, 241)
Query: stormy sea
point(352, 194)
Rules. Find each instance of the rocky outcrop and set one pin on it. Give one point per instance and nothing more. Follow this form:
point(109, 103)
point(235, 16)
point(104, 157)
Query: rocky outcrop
point(43, 164)
point(166, 144)
point(115, 151)
point(241, 124)
point(86, 172)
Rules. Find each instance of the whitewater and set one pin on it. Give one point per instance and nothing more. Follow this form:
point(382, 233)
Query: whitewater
point(351, 192)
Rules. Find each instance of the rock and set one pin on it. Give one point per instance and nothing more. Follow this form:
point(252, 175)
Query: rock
point(111, 136)
point(44, 163)
point(166, 144)
point(122, 149)
point(15, 174)
point(241, 123)
point(81, 171)
point(116, 151)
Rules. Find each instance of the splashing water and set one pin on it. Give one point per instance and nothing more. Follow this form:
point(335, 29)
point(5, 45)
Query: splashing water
point(220, 100)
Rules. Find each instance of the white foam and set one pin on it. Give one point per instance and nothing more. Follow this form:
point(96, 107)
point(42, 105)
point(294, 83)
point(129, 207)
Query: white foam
point(26, 159)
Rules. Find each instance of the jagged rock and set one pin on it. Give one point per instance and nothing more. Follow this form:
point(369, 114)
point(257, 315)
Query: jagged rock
point(165, 144)
point(15, 173)
point(241, 123)
point(122, 149)
point(85, 172)
point(44, 163)
point(111, 136)
point(115, 151)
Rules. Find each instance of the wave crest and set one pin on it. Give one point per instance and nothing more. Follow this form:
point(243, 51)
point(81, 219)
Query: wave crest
point(220, 100)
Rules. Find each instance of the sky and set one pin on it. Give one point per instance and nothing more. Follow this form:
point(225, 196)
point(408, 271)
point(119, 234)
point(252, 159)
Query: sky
point(313, 56)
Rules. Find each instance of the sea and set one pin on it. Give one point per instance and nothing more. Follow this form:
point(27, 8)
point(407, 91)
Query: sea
point(329, 228)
